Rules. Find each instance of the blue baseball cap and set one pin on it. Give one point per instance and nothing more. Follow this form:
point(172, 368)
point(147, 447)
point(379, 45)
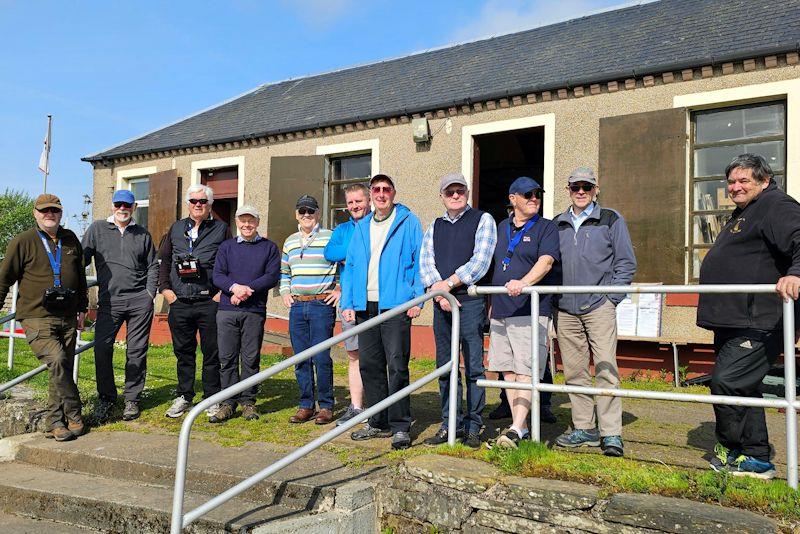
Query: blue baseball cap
point(522, 185)
point(123, 195)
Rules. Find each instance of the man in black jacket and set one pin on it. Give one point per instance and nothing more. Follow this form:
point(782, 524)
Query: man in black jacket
point(760, 244)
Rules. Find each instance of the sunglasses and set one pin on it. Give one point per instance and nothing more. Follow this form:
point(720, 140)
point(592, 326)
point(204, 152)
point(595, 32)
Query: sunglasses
point(453, 192)
point(194, 201)
point(537, 193)
point(49, 210)
point(306, 211)
point(587, 188)
point(386, 189)
point(123, 205)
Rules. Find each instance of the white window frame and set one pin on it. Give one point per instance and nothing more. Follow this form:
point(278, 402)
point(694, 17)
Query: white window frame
point(233, 161)
point(130, 176)
point(367, 146)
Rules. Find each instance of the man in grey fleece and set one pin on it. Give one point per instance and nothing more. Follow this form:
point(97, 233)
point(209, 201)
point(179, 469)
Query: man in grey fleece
point(596, 250)
point(127, 276)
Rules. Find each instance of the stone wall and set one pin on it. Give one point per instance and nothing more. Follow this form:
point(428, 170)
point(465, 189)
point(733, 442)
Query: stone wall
point(442, 494)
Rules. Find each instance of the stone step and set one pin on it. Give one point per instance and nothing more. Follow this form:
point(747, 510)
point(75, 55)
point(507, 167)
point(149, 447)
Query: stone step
point(14, 524)
point(120, 506)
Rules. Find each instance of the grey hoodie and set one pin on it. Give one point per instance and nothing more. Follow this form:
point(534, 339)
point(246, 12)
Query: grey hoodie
point(600, 253)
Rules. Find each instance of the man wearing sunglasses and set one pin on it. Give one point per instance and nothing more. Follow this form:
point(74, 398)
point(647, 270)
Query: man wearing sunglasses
point(596, 250)
point(47, 261)
point(456, 252)
point(185, 280)
point(127, 276)
point(381, 272)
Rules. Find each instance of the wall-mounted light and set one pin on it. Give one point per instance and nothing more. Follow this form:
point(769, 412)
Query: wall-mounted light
point(420, 130)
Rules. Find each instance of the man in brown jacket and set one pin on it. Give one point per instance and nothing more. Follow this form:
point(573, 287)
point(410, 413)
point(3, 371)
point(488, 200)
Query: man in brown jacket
point(47, 261)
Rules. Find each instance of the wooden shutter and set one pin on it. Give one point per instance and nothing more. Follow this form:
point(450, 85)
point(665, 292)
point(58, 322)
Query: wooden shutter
point(291, 177)
point(164, 207)
point(642, 175)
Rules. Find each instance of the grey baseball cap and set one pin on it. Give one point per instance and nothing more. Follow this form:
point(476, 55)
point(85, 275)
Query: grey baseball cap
point(247, 209)
point(582, 174)
point(452, 178)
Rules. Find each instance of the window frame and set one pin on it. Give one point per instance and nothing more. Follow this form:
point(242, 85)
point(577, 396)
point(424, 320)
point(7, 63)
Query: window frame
point(139, 203)
point(328, 206)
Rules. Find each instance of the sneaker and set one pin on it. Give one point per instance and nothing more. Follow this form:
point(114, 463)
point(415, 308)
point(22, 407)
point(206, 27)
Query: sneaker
point(224, 413)
point(212, 410)
point(60, 433)
point(249, 412)
point(131, 411)
point(441, 437)
point(510, 440)
point(401, 440)
point(178, 408)
point(472, 441)
point(723, 458)
point(747, 466)
point(579, 438)
point(612, 446)
point(370, 432)
point(501, 412)
point(546, 415)
point(351, 412)
point(102, 411)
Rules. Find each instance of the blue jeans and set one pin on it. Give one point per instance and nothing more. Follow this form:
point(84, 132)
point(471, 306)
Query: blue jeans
point(311, 323)
point(471, 325)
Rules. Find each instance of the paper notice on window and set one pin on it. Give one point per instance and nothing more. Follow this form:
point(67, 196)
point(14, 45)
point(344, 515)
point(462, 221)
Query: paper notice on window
point(626, 317)
point(648, 320)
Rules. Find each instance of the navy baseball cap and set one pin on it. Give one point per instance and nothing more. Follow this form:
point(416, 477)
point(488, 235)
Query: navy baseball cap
point(123, 195)
point(522, 185)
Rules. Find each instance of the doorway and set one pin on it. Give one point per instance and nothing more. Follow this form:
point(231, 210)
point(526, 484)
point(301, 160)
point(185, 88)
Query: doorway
point(225, 183)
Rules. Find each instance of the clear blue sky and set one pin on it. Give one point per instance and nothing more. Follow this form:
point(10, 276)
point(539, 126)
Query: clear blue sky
point(111, 71)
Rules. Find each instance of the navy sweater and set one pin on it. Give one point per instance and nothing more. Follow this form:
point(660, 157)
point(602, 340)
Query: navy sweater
point(257, 265)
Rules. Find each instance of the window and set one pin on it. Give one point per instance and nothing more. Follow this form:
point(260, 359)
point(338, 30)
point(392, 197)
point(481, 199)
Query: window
point(342, 172)
point(140, 187)
point(718, 136)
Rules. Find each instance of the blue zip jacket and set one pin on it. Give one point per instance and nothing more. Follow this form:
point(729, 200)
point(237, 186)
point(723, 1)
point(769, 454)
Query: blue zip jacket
point(398, 270)
point(336, 249)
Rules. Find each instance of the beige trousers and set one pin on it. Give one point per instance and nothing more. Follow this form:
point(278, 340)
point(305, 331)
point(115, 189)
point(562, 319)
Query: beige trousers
point(577, 334)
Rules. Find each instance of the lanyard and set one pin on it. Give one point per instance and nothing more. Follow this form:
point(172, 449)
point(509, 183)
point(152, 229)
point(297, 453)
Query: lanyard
point(305, 243)
point(514, 241)
point(55, 261)
point(189, 226)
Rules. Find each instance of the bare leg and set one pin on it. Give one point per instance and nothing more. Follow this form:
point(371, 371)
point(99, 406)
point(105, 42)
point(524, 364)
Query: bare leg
point(521, 405)
point(354, 380)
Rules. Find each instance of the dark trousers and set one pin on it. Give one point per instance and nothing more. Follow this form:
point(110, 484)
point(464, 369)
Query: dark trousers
point(743, 359)
point(383, 354)
point(52, 340)
point(137, 314)
point(239, 336)
point(185, 319)
point(471, 319)
point(311, 323)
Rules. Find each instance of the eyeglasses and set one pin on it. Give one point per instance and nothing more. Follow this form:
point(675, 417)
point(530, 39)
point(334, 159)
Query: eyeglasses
point(306, 211)
point(377, 189)
point(122, 205)
point(587, 188)
point(194, 201)
point(49, 210)
point(531, 194)
point(453, 192)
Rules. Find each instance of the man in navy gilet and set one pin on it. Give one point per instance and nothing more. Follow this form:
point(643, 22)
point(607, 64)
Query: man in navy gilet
point(456, 252)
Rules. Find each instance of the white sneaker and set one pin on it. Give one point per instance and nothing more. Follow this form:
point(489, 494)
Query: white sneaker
point(212, 410)
point(178, 408)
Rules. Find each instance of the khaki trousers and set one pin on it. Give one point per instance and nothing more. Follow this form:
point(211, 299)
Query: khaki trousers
point(577, 334)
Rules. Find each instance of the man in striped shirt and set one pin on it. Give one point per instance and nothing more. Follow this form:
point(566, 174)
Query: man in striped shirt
point(309, 289)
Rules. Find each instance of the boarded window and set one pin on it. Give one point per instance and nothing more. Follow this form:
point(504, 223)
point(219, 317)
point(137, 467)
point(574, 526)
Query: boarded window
point(290, 178)
point(163, 207)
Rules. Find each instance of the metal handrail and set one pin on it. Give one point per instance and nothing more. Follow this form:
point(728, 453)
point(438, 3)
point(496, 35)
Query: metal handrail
point(181, 519)
point(33, 372)
point(789, 403)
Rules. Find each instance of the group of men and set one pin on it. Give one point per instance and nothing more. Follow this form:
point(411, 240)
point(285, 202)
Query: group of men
point(217, 285)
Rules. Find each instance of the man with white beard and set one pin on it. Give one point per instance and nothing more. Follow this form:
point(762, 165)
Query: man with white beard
point(127, 276)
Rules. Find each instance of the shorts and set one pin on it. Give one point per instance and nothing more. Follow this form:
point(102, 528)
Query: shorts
point(510, 345)
point(350, 343)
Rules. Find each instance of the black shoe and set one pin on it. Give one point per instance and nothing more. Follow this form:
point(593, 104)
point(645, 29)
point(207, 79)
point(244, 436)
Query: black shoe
point(546, 415)
point(472, 441)
point(441, 437)
point(370, 432)
point(501, 412)
point(401, 440)
point(131, 411)
point(102, 411)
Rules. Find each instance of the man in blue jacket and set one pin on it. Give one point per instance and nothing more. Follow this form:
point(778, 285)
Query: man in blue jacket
point(357, 199)
point(382, 271)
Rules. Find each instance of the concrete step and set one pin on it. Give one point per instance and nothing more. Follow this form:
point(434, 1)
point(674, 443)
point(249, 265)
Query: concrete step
point(14, 524)
point(118, 505)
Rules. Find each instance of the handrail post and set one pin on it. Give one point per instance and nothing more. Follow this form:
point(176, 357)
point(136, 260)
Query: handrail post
point(535, 399)
point(455, 344)
point(790, 392)
point(180, 471)
point(12, 328)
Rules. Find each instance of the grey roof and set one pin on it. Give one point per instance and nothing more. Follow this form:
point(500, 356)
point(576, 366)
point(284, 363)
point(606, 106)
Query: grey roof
point(629, 42)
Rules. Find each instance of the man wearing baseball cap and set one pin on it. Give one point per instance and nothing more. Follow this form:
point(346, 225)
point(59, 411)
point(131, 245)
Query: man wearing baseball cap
point(47, 261)
point(247, 267)
point(456, 252)
point(122, 251)
point(596, 250)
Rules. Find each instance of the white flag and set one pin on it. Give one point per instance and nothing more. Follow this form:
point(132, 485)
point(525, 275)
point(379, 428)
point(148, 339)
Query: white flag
point(44, 159)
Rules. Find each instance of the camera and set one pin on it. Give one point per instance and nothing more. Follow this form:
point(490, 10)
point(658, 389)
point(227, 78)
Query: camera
point(188, 267)
point(58, 299)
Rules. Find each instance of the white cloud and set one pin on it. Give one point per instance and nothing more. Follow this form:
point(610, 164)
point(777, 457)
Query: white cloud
point(319, 14)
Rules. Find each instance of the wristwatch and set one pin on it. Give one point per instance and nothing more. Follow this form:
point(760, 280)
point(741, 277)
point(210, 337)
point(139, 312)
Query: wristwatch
point(450, 284)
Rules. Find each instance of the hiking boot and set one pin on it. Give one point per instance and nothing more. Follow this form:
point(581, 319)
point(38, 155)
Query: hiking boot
point(179, 407)
point(249, 412)
point(473, 441)
point(441, 437)
point(60, 433)
point(77, 428)
point(224, 413)
point(351, 412)
point(723, 458)
point(370, 432)
point(501, 412)
point(102, 411)
point(510, 440)
point(612, 446)
point(212, 410)
point(546, 415)
point(578, 438)
point(401, 440)
point(747, 466)
point(131, 411)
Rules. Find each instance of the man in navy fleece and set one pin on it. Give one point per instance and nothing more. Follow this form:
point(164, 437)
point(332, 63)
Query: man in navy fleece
point(247, 267)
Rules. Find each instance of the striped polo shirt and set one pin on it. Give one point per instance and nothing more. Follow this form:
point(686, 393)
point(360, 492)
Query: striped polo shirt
point(304, 269)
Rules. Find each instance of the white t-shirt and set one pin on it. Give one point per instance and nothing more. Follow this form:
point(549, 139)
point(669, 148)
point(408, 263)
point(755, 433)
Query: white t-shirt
point(378, 231)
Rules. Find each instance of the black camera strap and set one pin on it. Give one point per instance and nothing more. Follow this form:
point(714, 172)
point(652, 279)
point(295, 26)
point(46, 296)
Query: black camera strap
point(55, 261)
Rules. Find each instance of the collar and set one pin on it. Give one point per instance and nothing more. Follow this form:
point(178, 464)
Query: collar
point(256, 239)
point(584, 214)
point(447, 218)
point(111, 220)
point(313, 231)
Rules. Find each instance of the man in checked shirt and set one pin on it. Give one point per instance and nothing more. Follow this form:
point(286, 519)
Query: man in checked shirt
point(456, 252)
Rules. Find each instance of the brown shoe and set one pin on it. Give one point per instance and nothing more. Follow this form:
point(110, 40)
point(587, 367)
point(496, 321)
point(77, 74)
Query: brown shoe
point(225, 412)
point(249, 412)
point(76, 427)
point(60, 433)
point(302, 415)
point(324, 416)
